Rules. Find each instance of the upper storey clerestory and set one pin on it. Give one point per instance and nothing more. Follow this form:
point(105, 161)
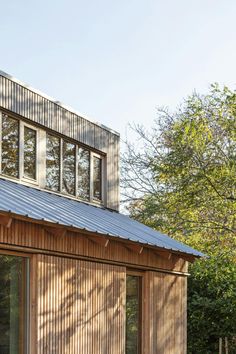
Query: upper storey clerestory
point(50, 146)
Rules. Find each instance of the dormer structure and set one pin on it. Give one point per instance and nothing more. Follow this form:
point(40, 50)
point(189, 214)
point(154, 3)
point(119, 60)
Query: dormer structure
point(77, 276)
point(47, 145)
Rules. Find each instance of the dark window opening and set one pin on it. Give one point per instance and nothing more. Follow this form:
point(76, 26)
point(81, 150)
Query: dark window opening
point(29, 153)
point(13, 304)
point(10, 146)
point(97, 178)
point(68, 177)
point(133, 314)
point(83, 173)
point(53, 163)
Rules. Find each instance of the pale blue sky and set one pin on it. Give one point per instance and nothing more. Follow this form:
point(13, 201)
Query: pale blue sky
point(115, 61)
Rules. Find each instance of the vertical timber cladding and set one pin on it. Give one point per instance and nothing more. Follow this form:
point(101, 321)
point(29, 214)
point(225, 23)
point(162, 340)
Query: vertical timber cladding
point(23, 101)
point(167, 305)
point(81, 307)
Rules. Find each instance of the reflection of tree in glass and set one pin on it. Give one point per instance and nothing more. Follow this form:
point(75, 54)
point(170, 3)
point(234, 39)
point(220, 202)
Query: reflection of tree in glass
point(68, 179)
point(132, 314)
point(83, 173)
point(10, 288)
point(53, 163)
point(10, 146)
point(29, 153)
point(97, 167)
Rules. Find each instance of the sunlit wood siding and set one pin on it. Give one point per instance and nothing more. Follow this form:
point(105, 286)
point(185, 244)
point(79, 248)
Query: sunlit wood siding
point(81, 307)
point(35, 237)
point(23, 101)
point(166, 304)
point(78, 293)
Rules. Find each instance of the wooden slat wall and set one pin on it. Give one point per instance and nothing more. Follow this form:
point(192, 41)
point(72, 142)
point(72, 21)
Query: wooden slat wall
point(34, 236)
point(81, 307)
point(167, 306)
point(20, 100)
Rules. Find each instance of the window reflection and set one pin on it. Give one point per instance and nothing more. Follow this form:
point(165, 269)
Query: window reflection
point(133, 314)
point(13, 300)
point(10, 146)
point(68, 168)
point(79, 175)
point(29, 153)
point(83, 173)
point(97, 169)
point(53, 163)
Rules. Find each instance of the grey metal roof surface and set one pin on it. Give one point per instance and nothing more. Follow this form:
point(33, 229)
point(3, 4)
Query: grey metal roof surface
point(42, 205)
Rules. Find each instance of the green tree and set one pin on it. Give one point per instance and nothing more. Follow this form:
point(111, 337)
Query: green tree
point(180, 178)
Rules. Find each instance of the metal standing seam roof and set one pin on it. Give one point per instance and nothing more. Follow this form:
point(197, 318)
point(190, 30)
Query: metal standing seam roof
point(45, 206)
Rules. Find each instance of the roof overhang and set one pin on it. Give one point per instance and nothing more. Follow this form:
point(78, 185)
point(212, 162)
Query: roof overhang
point(59, 214)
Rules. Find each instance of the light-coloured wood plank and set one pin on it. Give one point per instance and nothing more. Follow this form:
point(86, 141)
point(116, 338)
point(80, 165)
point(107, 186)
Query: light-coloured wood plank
point(97, 290)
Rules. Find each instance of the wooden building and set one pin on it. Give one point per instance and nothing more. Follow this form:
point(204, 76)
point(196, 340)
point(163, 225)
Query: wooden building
point(76, 276)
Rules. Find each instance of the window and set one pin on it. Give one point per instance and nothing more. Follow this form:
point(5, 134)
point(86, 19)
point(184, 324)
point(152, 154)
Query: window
point(68, 178)
point(13, 304)
point(53, 163)
point(97, 173)
point(41, 158)
point(81, 169)
point(133, 314)
point(10, 146)
point(83, 173)
point(29, 153)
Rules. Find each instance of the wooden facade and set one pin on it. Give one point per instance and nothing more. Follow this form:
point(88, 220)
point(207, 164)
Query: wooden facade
point(78, 278)
point(78, 292)
point(81, 306)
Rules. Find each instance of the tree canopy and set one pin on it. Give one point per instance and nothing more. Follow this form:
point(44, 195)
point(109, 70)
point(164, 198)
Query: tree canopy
point(180, 178)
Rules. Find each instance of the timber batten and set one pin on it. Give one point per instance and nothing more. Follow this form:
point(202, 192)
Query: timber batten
point(81, 307)
point(34, 236)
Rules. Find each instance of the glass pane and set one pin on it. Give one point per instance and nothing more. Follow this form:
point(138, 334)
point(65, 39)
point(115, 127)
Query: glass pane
point(97, 170)
point(13, 297)
point(53, 163)
point(29, 153)
point(68, 179)
point(133, 287)
point(10, 146)
point(83, 173)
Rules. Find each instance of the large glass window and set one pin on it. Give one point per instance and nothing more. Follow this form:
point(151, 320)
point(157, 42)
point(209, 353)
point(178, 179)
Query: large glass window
point(53, 163)
point(83, 173)
point(133, 314)
point(13, 304)
point(10, 146)
point(97, 172)
point(29, 153)
point(70, 168)
point(68, 177)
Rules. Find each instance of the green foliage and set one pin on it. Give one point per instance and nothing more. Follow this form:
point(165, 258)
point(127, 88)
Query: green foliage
point(182, 181)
